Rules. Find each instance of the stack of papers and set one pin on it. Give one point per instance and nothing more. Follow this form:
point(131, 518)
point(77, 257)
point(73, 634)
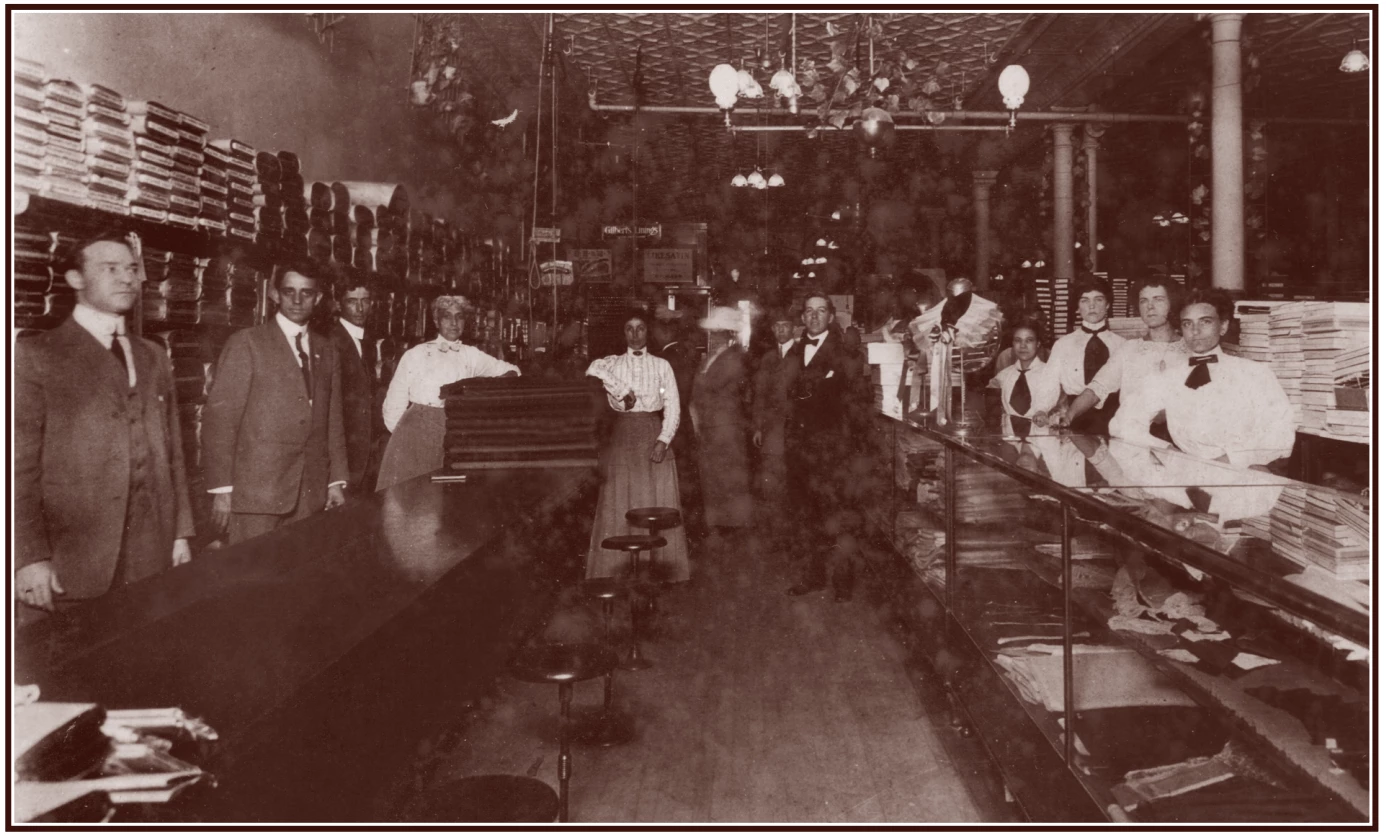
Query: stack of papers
point(1329, 541)
point(1254, 341)
point(1062, 319)
point(1121, 298)
point(1287, 352)
point(1287, 524)
point(1330, 330)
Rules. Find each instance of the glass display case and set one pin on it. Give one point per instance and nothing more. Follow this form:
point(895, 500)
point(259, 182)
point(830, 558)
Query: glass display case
point(1139, 635)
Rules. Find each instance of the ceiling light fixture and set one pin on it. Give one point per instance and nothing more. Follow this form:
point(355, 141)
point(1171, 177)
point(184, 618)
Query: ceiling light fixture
point(724, 84)
point(1013, 83)
point(1025, 264)
point(1356, 61)
point(822, 242)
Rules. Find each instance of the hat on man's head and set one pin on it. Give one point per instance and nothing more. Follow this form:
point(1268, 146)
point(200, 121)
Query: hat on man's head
point(722, 319)
point(664, 314)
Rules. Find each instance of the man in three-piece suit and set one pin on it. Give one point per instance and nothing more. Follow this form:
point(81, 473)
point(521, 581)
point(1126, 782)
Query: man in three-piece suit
point(100, 497)
point(361, 400)
point(273, 445)
point(826, 404)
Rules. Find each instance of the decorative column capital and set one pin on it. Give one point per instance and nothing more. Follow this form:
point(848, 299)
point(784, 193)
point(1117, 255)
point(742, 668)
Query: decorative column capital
point(1092, 132)
point(1063, 132)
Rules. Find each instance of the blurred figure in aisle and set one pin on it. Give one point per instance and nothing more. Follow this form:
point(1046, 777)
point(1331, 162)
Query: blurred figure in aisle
point(719, 419)
point(771, 409)
point(827, 409)
point(1078, 356)
point(669, 339)
point(413, 408)
point(1217, 406)
point(273, 444)
point(360, 402)
point(1026, 393)
point(100, 496)
point(638, 471)
point(1136, 360)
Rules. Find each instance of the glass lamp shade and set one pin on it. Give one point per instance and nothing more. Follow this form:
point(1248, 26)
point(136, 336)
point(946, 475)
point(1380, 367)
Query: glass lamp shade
point(1355, 61)
point(723, 83)
point(1025, 264)
point(739, 180)
point(875, 127)
point(775, 180)
point(1013, 83)
point(822, 242)
point(821, 260)
point(747, 85)
point(756, 179)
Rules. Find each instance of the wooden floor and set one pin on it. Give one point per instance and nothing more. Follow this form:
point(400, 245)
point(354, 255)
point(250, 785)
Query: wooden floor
point(760, 708)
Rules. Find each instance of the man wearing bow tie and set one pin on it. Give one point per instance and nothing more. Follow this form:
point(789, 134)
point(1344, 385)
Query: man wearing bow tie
point(826, 404)
point(273, 443)
point(1080, 354)
point(100, 497)
point(1218, 406)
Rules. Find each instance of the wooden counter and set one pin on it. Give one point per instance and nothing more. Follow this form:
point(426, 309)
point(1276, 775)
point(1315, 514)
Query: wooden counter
point(321, 652)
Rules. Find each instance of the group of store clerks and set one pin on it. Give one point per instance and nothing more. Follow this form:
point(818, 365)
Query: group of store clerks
point(293, 422)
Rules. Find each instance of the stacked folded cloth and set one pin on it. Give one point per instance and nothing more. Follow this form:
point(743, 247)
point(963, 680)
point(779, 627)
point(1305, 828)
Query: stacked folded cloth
point(519, 423)
point(29, 127)
point(238, 160)
point(64, 175)
point(41, 293)
point(269, 197)
point(155, 129)
point(296, 221)
point(216, 284)
point(191, 362)
point(109, 149)
point(186, 207)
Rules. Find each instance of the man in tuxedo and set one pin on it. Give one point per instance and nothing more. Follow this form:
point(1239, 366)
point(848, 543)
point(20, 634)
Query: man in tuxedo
point(273, 443)
point(100, 496)
point(827, 405)
point(361, 406)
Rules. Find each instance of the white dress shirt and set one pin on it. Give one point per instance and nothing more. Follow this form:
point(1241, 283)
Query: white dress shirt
point(1044, 388)
point(106, 327)
point(811, 348)
point(785, 347)
point(650, 378)
point(357, 333)
point(1241, 413)
point(1066, 359)
point(429, 367)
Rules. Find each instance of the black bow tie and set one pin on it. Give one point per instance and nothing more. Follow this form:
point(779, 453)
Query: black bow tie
point(637, 352)
point(814, 341)
point(1199, 376)
point(1097, 331)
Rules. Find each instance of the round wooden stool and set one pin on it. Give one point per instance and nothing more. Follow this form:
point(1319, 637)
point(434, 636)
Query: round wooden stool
point(488, 798)
point(655, 519)
point(606, 727)
point(563, 664)
point(634, 545)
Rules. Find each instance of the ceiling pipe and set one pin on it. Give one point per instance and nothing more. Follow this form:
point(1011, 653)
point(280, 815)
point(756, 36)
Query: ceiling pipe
point(1032, 116)
point(755, 129)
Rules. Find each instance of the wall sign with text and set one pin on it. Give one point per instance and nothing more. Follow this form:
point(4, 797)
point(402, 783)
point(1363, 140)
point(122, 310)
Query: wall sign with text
point(668, 265)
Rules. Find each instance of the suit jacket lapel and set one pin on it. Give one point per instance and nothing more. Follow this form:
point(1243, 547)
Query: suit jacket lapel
point(287, 366)
point(92, 359)
point(820, 355)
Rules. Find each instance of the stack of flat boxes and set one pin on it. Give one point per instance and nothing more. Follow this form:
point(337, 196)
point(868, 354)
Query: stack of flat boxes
point(1121, 297)
point(185, 198)
point(1287, 352)
point(241, 183)
point(269, 200)
point(35, 277)
point(296, 222)
point(243, 294)
point(110, 150)
point(151, 178)
point(1063, 317)
point(1044, 298)
point(29, 127)
point(216, 192)
point(64, 168)
point(215, 307)
point(152, 294)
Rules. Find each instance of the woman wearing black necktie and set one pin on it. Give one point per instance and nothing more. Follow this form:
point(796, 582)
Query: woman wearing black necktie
point(1027, 392)
point(1080, 354)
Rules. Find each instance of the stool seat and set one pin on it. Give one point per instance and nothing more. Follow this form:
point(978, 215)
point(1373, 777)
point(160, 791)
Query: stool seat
point(560, 663)
point(656, 517)
point(604, 587)
point(489, 798)
point(633, 543)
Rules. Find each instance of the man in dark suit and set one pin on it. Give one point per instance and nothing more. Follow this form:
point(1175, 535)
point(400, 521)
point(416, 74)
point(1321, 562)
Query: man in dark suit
point(100, 496)
point(670, 342)
point(361, 401)
point(826, 404)
point(272, 438)
point(770, 409)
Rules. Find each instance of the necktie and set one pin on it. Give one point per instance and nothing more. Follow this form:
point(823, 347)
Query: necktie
point(1020, 426)
point(1095, 355)
point(119, 352)
point(1200, 499)
point(637, 352)
point(1199, 376)
point(1020, 395)
point(368, 356)
point(303, 362)
point(814, 341)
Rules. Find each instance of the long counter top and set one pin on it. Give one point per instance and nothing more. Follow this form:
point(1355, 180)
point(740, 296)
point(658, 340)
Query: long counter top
point(359, 606)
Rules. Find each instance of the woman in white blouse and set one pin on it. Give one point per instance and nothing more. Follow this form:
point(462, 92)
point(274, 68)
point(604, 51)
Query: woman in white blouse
point(413, 408)
point(639, 469)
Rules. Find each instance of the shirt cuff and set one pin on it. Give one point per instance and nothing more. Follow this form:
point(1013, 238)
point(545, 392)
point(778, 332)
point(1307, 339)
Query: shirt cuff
point(220, 490)
point(341, 483)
